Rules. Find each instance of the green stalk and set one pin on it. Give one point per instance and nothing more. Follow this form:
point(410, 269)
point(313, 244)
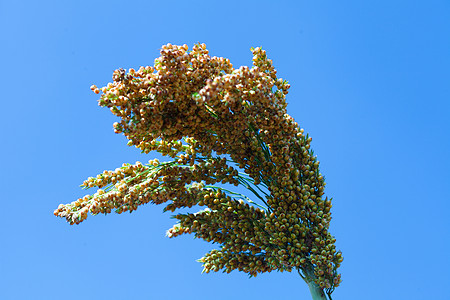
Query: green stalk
point(316, 291)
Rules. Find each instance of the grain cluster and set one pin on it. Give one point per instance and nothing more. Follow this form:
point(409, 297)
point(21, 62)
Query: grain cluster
point(219, 126)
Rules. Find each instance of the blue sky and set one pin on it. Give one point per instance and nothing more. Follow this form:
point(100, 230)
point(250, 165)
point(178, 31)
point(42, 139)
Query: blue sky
point(370, 82)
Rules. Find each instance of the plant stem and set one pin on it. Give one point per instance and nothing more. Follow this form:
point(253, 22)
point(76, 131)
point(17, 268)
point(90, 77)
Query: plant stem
point(316, 292)
point(308, 276)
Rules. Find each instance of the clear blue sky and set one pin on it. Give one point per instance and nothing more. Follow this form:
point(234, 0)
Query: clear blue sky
point(370, 83)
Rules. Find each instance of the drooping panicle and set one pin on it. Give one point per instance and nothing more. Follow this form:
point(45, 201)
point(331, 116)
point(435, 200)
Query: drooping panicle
point(214, 121)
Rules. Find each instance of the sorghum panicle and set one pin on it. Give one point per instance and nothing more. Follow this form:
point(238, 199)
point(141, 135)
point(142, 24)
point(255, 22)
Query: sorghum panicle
point(213, 120)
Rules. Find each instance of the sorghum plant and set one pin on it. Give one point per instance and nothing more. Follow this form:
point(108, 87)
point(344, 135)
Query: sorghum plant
point(212, 121)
